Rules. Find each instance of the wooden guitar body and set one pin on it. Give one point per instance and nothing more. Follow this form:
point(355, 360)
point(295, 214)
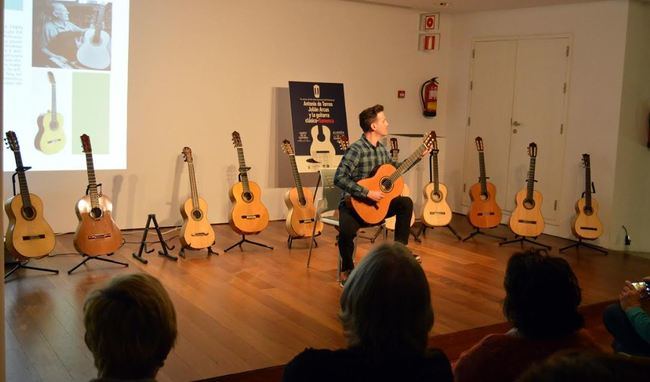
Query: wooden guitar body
point(436, 211)
point(374, 212)
point(484, 212)
point(526, 219)
point(28, 234)
point(95, 54)
point(587, 224)
point(248, 215)
point(391, 221)
point(50, 138)
point(97, 234)
point(300, 218)
point(196, 232)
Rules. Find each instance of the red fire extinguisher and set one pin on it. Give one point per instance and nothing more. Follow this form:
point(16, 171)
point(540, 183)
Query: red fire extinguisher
point(429, 94)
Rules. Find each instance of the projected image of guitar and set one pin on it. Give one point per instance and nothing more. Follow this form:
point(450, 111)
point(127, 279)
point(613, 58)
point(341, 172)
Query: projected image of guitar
point(97, 234)
point(322, 150)
point(526, 219)
point(299, 201)
point(387, 180)
point(50, 138)
point(94, 51)
point(248, 215)
point(28, 234)
point(196, 232)
point(406, 191)
point(484, 212)
point(436, 211)
point(587, 224)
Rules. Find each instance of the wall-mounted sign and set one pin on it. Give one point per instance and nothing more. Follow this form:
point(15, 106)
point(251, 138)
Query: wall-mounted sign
point(429, 42)
point(429, 22)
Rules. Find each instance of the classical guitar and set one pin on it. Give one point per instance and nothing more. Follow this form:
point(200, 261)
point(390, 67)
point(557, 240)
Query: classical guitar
point(50, 138)
point(94, 51)
point(97, 234)
point(28, 234)
point(196, 232)
point(321, 149)
point(248, 215)
point(436, 211)
point(299, 200)
point(484, 212)
point(587, 225)
point(388, 180)
point(389, 223)
point(526, 219)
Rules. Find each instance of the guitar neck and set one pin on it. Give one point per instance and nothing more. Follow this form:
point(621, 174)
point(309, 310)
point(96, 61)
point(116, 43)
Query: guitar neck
point(193, 188)
point(588, 187)
point(408, 162)
point(92, 181)
point(22, 180)
point(436, 183)
point(482, 179)
point(243, 169)
point(296, 178)
point(53, 101)
point(98, 24)
point(530, 187)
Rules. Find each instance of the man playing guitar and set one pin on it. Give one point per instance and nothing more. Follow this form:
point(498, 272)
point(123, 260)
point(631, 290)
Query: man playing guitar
point(362, 157)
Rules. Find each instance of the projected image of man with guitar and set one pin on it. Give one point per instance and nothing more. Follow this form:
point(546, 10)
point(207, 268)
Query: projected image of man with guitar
point(372, 185)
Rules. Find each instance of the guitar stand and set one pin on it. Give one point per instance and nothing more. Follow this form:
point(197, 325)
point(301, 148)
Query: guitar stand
point(290, 239)
point(424, 228)
point(143, 243)
point(245, 240)
point(522, 239)
point(581, 243)
point(88, 258)
point(16, 265)
point(211, 252)
point(383, 229)
point(477, 231)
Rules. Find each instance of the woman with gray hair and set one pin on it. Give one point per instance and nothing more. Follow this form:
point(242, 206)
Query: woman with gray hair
point(386, 316)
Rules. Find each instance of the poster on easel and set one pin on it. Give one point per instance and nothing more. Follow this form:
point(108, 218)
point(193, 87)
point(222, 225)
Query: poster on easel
point(318, 119)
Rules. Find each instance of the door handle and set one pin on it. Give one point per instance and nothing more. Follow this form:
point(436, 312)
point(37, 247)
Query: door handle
point(516, 123)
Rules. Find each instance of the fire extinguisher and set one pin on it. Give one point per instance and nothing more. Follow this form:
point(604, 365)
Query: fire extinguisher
point(429, 94)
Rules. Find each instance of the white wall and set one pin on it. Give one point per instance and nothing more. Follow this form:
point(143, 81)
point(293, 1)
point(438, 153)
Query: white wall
point(598, 32)
point(200, 69)
point(632, 183)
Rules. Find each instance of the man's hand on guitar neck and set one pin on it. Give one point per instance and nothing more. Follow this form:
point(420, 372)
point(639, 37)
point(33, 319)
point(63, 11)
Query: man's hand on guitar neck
point(375, 195)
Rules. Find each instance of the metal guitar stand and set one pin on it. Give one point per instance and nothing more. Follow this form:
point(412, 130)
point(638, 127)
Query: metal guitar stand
point(211, 252)
point(477, 231)
point(581, 243)
point(424, 228)
point(522, 239)
point(22, 264)
point(163, 243)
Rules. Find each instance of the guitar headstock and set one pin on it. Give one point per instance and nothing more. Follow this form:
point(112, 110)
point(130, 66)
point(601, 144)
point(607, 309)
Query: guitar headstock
point(236, 139)
point(434, 143)
point(532, 150)
point(12, 141)
point(85, 144)
point(586, 160)
point(286, 147)
point(394, 146)
point(344, 142)
point(50, 77)
point(187, 154)
point(428, 139)
point(479, 144)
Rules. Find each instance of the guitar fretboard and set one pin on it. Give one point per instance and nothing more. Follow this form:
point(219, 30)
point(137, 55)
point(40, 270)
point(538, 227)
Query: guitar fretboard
point(92, 181)
point(296, 178)
point(482, 179)
point(436, 182)
point(587, 183)
point(408, 162)
point(22, 180)
point(530, 187)
point(193, 188)
point(243, 169)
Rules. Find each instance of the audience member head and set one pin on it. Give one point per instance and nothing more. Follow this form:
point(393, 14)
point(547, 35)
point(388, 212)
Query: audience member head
point(542, 295)
point(584, 366)
point(368, 116)
point(386, 304)
point(130, 327)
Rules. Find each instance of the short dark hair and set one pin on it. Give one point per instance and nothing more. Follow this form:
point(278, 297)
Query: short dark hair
point(130, 327)
point(368, 116)
point(386, 304)
point(542, 295)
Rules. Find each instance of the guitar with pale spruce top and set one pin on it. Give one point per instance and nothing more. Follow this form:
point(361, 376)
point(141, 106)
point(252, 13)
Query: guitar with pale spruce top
point(436, 211)
point(526, 219)
point(196, 232)
point(50, 138)
point(587, 224)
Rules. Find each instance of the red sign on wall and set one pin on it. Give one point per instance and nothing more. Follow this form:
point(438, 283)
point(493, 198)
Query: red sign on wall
point(429, 22)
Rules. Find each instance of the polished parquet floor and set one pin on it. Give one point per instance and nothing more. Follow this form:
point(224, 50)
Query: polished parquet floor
point(256, 308)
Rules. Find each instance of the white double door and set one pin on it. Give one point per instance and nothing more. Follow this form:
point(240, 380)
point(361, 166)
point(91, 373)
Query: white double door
point(518, 95)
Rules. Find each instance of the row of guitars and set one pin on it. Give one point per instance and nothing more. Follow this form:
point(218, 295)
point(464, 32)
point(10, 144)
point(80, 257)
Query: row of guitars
point(526, 219)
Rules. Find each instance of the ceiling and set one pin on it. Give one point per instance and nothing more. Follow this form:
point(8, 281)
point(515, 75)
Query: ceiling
point(456, 6)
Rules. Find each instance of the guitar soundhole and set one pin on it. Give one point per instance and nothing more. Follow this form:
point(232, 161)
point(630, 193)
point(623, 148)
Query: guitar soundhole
point(197, 214)
point(436, 196)
point(386, 185)
point(29, 213)
point(54, 124)
point(589, 211)
point(484, 196)
point(96, 213)
point(247, 196)
point(529, 204)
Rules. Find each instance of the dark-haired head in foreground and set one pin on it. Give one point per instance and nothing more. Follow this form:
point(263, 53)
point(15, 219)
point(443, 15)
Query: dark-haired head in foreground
point(130, 327)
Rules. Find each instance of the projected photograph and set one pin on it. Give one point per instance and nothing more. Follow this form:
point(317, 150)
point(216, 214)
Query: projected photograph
point(72, 34)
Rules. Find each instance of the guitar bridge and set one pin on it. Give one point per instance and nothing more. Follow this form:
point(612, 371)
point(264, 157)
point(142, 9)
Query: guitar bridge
point(306, 221)
point(437, 213)
point(589, 228)
point(486, 214)
point(99, 236)
point(527, 221)
point(250, 217)
point(200, 234)
point(34, 237)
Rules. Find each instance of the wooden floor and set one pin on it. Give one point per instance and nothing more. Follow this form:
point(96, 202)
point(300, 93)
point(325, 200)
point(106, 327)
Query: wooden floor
point(258, 308)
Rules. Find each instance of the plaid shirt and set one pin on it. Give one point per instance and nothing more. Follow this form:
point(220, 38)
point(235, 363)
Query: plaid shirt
point(357, 163)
